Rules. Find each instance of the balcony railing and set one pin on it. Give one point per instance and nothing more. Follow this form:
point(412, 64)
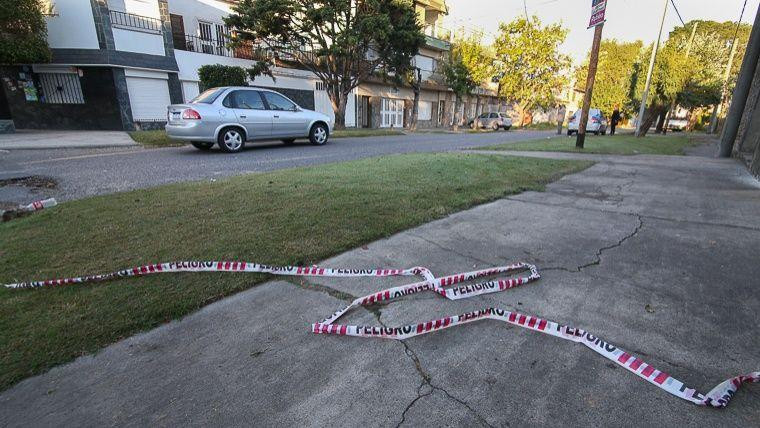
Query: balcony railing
point(139, 22)
point(221, 47)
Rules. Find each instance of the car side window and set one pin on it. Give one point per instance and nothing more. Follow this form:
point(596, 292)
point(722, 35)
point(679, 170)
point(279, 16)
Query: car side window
point(278, 102)
point(484, 116)
point(250, 100)
point(494, 116)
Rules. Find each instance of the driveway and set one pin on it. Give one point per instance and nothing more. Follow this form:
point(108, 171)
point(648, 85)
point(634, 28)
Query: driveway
point(43, 139)
point(86, 172)
point(656, 254)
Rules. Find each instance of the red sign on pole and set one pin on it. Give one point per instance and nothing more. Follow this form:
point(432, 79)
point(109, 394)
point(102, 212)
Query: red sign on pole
point(598, 9)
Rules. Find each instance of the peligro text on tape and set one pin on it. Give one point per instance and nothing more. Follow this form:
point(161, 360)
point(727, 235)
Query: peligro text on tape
point(717, 397)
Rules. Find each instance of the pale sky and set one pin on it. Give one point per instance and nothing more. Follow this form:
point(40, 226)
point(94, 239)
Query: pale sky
point(627, 20)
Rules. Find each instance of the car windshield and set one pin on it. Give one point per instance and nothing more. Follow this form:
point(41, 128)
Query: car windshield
point(208, 96)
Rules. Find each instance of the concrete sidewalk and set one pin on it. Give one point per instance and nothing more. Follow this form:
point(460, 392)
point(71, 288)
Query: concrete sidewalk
point(28, 139)
point(657, 255)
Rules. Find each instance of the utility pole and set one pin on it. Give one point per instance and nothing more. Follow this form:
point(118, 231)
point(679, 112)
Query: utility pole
point(726, 76)
point(642, 110)
point(688, 52)
point(593, 62)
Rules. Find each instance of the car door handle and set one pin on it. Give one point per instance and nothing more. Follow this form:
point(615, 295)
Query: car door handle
point(276, 116)
point(243, 117)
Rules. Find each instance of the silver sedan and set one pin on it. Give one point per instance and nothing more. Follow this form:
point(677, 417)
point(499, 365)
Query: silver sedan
point(230, 116)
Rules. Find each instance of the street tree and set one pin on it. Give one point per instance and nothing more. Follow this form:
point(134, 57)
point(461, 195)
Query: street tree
point(531, 67)
point(23, 32)
point(693, 82)
point(459, 79)
point(613, 75)
point(342, 42)
point(477, 57)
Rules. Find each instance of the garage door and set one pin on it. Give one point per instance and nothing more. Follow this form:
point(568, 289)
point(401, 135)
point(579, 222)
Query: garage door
point(148, 98)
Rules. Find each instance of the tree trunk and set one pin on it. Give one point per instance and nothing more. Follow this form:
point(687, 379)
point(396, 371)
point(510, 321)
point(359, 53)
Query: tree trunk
point(650, 116)
point(690, 120)
point(457, 112)
point(416, 87)
point(339, 102)
point(661, 122)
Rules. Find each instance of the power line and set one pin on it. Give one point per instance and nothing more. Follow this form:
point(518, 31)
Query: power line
point(679, 13)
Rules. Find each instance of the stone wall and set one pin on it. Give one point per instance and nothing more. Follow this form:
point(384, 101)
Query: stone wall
point(99, 111)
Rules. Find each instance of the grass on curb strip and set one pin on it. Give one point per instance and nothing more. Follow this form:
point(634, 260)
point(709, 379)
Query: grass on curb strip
point(155, 138)
point(673, 144)
point(295, 217)
point(158, 138)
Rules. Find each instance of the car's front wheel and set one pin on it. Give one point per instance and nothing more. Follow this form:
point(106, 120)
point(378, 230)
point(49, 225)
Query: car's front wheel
point(495, 126)
point(506, 128)
point(203, 146)
point(231, 140)
point(318, 134)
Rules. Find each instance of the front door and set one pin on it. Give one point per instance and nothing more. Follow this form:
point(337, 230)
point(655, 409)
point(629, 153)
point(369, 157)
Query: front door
point(251, 113)
point(287, 120)
point(392, 113)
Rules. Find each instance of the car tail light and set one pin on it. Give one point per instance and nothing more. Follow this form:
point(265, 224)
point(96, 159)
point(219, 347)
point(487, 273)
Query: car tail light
point(595, 120)
point(191, 114)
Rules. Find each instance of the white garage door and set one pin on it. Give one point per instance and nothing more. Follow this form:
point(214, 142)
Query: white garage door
point(148, 98)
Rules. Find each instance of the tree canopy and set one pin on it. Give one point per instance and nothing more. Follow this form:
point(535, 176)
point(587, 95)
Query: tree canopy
point(613, 75)
point(23, 32)
point(475, 56)
point(342, 42)
point(531, 67)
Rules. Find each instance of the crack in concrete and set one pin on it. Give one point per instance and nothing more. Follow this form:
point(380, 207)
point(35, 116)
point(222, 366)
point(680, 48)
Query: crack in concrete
point(300, 282)
point(427, 381)
point(644, 216)
point(424, 375)
point(598, 256)
point(445, 248)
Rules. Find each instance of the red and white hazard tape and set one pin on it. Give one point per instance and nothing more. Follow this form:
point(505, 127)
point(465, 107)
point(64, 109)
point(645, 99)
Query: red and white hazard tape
point(717, 397)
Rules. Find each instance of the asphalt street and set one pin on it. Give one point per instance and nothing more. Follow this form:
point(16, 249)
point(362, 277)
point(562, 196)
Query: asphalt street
point(87, 172)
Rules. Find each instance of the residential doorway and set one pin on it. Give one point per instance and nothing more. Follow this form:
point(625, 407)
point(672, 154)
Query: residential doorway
point(363, 112)
point(392, 113)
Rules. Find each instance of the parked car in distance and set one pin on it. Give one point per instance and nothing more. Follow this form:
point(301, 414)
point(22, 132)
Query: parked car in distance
point(677, 125)
point(597, 124)
point(491, 120)
point(230, 116)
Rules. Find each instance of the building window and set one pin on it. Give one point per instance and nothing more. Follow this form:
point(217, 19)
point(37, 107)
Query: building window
point(425, 111)
point(61, 88)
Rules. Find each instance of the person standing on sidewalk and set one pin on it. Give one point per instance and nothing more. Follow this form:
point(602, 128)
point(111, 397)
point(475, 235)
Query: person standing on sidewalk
point(615, 119)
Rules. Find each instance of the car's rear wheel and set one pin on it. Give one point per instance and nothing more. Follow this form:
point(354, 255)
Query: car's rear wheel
point(203, 146)
point(495, 126)
point(231, 140)
point(289, 141)
point(569, 133)
point(319, 134)
point(506, 128)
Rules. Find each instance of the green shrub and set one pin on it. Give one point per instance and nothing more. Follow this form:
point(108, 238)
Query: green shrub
point(215, 75)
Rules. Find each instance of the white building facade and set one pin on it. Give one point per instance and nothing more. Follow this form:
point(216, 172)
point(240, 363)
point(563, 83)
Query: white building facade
point(117, 64)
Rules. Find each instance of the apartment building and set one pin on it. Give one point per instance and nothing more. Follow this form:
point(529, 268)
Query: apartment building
point(117, 64)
